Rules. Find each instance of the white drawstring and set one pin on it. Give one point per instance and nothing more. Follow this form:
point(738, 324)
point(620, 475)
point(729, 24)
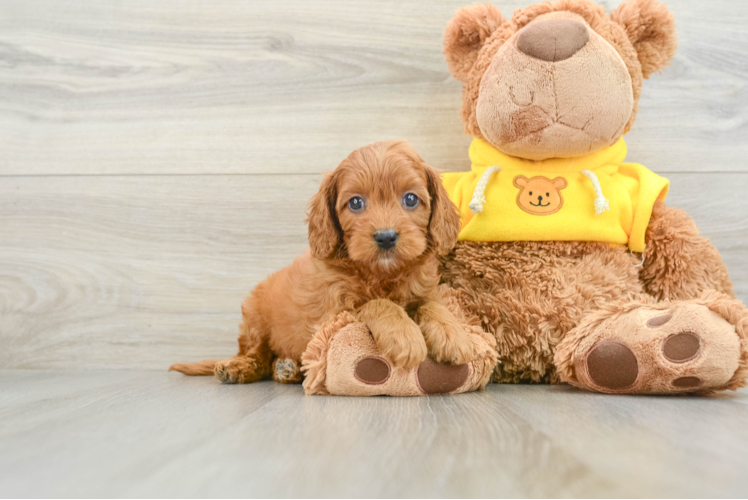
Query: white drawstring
point(640, 264)
point(601, 202)
point(479, 198)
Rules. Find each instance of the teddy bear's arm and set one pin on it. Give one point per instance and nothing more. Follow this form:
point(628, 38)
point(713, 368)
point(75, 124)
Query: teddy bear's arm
point(679, 263)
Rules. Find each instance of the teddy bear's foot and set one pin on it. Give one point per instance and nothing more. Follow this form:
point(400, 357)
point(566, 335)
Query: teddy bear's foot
point(343, 359)
point(678, 347)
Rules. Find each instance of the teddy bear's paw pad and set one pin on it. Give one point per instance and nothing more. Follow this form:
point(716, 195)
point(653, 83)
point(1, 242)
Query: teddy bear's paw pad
point(372, 370)
point(687, 382)
point(436, 378)
point(681, 347)
point(660, 320)
point(612, 365)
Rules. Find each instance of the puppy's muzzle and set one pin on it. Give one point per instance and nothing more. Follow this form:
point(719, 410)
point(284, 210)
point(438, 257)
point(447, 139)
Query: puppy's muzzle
point(385, 238)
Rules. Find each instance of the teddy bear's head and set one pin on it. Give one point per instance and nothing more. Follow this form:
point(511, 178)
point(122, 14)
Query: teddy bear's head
point(558, 79)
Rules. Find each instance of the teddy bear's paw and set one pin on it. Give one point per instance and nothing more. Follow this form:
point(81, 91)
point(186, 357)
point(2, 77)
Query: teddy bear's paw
point(649, 350)
point(350, 363)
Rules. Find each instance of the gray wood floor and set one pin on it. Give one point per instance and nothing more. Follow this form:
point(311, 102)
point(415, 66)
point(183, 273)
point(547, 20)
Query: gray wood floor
point(146, 434)
point(155, 162)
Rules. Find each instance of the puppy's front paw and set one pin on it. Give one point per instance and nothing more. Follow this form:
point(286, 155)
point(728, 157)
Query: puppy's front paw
point(404, 346)
point(448, 343)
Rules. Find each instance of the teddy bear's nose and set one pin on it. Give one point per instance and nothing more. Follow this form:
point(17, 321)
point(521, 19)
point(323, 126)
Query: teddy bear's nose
point(553, 40)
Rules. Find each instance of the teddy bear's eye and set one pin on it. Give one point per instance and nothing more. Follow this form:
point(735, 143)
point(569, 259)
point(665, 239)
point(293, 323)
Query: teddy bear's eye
point(530, 193)
point(548, 194)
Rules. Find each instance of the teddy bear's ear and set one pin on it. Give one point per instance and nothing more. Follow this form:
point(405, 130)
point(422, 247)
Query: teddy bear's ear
point(651, 28)
point(520, 181)
point(466, 33)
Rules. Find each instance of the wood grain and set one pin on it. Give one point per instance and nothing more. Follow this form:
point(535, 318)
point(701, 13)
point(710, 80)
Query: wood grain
point(102, 87)
point(154, 434)
point(143, 271)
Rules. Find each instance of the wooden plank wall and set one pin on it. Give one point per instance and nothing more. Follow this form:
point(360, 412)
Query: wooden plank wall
point(156, 157)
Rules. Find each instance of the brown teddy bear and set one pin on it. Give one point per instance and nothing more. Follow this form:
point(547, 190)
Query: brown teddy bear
point(567, 253)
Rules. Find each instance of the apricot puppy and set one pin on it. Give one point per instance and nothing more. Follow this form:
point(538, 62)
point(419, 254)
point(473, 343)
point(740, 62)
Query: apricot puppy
point(376, 228)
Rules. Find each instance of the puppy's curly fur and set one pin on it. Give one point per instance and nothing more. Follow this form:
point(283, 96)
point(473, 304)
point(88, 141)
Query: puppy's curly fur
point(392, 290)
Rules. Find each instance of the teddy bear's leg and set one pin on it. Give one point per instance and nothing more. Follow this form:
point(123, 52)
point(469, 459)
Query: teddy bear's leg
point(343, 359)
point(679, 263)
point(698, 345)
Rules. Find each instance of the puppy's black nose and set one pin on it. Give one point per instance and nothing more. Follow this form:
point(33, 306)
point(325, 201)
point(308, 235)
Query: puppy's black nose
point(385, 238)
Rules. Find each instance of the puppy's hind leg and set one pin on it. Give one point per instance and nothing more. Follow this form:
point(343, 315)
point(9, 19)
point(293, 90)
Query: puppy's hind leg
point(254, 360)
point(244, 369)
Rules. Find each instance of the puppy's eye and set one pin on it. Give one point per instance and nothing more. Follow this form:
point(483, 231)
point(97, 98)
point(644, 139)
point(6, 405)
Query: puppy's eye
point(410, 200)
point(356, 204)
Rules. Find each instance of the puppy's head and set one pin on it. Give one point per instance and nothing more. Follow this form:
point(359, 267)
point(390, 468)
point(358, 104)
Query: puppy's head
point(382, 207)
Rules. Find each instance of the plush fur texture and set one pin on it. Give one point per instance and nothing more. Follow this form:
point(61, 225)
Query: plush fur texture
point(346, 270)
point(314, 359)
point(650, 27)
point(531, 295)
point(679, 263)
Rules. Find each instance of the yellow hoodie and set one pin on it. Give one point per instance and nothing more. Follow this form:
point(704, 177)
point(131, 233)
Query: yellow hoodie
point(591, 198)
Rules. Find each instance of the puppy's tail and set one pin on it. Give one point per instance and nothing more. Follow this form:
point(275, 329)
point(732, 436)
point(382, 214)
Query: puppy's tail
point(202, 368)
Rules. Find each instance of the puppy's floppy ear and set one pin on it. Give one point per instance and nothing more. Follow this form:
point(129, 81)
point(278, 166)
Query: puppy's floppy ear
point(466, 33)
point(651, 28)
point(325, 233)
point(444, 223)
